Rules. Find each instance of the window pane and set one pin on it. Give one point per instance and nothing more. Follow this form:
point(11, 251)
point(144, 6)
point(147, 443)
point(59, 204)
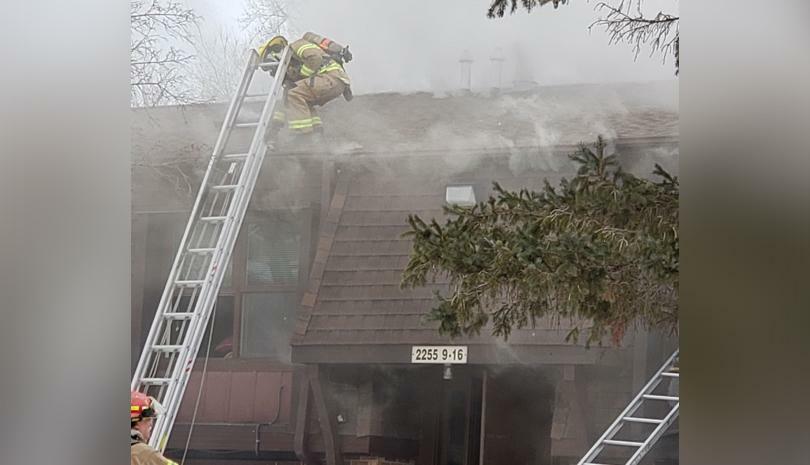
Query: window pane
point(272, 256)
point(267, 323)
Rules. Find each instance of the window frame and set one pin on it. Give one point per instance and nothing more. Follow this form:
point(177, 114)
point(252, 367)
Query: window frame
point(238, 287)
point(239, 278)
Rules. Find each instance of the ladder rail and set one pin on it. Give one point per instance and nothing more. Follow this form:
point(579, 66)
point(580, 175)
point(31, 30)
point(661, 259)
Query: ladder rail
point(172, 282)
point(199, 307)
point(162, 422)
point(230, 116)
point(629, 410)
point(175, 365)
point(226, 241)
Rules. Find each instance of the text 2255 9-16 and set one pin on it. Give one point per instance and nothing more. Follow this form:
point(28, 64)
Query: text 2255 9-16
point(439, 354)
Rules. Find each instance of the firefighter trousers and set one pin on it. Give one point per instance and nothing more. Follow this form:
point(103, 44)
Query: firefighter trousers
point(308, 93)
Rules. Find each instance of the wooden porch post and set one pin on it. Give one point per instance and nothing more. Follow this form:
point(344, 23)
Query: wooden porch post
point(483, 416)
point(325, 418)
point(300, 444)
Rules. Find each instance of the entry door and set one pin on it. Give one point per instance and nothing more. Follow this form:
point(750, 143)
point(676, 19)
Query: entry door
point(459, 441)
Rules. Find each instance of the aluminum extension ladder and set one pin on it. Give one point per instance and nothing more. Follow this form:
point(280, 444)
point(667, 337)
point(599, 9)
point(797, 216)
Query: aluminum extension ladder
point(668, 372)
point(205, 250)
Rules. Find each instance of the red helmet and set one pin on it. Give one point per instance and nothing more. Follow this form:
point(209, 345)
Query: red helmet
point(142, 406)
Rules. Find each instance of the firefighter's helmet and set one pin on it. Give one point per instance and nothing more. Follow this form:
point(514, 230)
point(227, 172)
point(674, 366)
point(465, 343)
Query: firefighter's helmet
point(142, 406)
point(272, 47)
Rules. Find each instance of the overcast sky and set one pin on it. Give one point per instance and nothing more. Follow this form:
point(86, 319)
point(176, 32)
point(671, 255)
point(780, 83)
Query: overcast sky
point(416, 45)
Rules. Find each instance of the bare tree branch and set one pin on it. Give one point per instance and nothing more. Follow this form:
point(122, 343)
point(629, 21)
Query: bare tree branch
point(218, 66)
point(157, 28)
point(183, 171)
point(263, 19)
point(626, 23)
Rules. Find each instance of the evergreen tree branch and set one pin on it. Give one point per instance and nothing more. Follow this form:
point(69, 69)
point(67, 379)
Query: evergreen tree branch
point(600, 250)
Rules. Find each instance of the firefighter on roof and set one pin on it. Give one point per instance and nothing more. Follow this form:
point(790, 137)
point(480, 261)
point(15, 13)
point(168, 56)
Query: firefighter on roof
point(315, 76)
point(142, 413)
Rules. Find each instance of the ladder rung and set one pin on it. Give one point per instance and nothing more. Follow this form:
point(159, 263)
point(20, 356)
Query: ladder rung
point(202, 250)
point(156, 380)
point(593, 463)
point(167, 348)
point(255, 95)
point(189, 282)
point(225, 187)
point(671, 375)
point(178, 316)
point(654, 421)
point(657, 397)
point(614, 442)
point(246, 125)
point(235, 156)
point(213, 219)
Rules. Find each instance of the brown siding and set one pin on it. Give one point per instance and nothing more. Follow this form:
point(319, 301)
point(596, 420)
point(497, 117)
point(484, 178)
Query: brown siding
point(240, 395)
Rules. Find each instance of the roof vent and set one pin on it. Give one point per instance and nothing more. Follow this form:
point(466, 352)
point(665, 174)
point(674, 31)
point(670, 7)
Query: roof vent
point(463, 195)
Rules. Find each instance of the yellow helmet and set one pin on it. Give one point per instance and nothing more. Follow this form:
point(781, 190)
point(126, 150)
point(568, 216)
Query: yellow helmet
point(273, 47)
